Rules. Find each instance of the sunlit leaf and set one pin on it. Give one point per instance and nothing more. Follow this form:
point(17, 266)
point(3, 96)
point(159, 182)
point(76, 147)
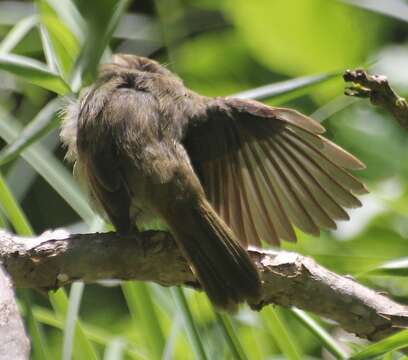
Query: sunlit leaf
point(231, 338)
point(397, 267)
point(115, 350)
point(189, 323)
point(74, 302)
point(44, 122)
point(38, 342)
point(102, 23)
point(17, 33)
point(288, 87)
point(63, 43)
point(324, 337)
point(34, 72)
point(84, 348)
point(142, 309)
point(301, 41)
point(69, 14)
point(49, 53)
point(280, 333)
point(13, 210)
point(96, 334)
point(49, 168)
point(393, 342)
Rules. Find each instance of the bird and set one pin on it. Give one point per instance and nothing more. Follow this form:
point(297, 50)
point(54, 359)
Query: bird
point(222, 173)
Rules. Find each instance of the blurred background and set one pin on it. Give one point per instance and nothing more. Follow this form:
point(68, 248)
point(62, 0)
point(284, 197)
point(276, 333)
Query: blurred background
point(50, 49)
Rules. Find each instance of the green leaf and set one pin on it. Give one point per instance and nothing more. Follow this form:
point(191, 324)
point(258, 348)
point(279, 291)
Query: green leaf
point(38, 343)
point(169, 349)
point(301, 42)
point(17, 33)
point(324, 337)
point(74, 303)
point(190, 326)
point(397, 267)
point(49, 53)
point(44, 122)
point(393, 342)
point(63, 44)
point(280, 333)
point(143, 313)
point(290, 87)
point(96, 334)
point(115, 350)
point(34, 72)
point(69, 14)
point(83, 348)
point(3, 220)
point(13, 210)
point(102, 23)
point(231, 338)
point(50, 169)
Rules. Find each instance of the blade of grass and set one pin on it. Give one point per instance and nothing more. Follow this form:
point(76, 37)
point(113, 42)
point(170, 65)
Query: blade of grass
point(96, 334)
point(388, 356)
point(397, 267)
point(280, 333)
point(142, 310)
point(49, 168)
point(40, 349)
point(103, 23)
point(332, 107)
point(13, 210)
point(3, 221)
point(291, 86)
point(42, 123)
point(17, 33)
point(168, 352)
point(393, 342)
point(189, 323)
point(326, 340)
point(234, 345)
point(65, 45)
point(48, 49)
point(33, 72)
point(115, 350)
point(84, 348)
point(70, 15)
point(75, 295)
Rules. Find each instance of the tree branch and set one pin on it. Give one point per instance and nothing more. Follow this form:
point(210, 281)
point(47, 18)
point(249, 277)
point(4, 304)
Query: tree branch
point(289, 279)
point(378, 90)
point(14, 343)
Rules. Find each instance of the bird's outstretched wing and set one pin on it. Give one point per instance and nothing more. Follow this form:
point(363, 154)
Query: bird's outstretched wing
point(267, 169)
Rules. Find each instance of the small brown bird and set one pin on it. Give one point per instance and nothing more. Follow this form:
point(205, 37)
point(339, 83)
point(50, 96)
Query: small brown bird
point(222, 173)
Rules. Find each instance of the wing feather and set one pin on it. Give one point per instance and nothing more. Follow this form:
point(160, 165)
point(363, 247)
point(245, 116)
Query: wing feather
point(266, 170)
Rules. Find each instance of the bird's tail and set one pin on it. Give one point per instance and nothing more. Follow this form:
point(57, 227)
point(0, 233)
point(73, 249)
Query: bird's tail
point(221, 264)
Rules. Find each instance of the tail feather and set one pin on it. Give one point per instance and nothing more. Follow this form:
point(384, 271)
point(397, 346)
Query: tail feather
point(221, 264)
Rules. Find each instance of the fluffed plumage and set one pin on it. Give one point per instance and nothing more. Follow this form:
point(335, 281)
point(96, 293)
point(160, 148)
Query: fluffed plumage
point(223, 173)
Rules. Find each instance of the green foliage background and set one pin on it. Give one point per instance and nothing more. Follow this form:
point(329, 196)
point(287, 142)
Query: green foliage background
point(51, 48)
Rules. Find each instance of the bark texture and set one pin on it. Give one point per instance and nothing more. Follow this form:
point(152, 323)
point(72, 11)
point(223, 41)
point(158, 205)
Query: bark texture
point(14, 343)
point(288, 279)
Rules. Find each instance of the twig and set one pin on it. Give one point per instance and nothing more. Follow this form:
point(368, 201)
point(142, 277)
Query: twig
point(378, 90)
point(289, 279)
